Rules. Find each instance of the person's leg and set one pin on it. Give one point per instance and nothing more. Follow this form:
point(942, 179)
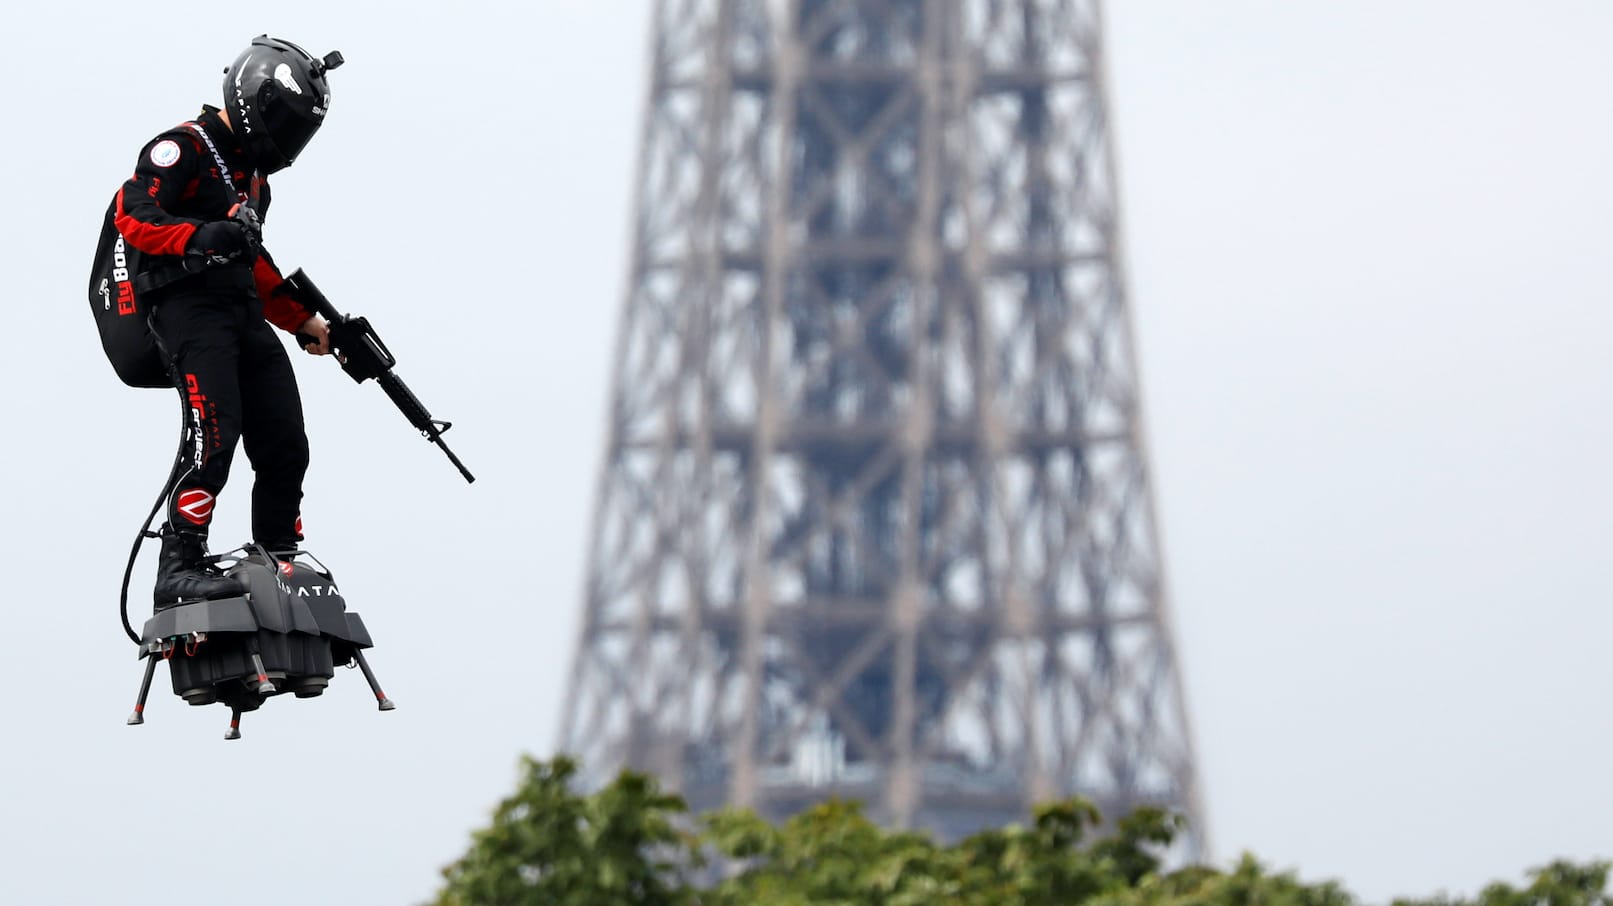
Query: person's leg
point(202, 334)
point(274, 438)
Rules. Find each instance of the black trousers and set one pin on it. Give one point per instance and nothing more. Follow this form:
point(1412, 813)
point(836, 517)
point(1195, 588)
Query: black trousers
point(238, 386)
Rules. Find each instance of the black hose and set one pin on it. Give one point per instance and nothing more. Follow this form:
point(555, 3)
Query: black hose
point(174, 477)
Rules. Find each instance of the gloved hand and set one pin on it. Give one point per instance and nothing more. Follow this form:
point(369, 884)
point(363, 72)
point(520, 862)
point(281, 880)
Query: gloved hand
point(219, 238)
point(247, 216)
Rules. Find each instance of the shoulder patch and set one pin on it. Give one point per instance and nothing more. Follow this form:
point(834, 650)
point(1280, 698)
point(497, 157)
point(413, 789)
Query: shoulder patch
point(165, 153)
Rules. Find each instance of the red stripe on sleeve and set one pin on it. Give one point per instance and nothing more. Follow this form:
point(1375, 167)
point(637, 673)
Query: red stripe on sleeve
point(279, 308)
point(168, 239)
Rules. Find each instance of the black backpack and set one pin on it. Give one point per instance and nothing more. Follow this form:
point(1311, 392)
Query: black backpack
point(119, 313)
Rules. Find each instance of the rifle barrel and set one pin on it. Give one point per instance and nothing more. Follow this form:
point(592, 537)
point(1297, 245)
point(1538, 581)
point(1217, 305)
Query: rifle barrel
point(415, 411)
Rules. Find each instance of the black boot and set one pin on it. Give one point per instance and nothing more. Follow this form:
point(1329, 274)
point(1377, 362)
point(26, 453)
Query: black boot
point(276, 547)
point(181, 574)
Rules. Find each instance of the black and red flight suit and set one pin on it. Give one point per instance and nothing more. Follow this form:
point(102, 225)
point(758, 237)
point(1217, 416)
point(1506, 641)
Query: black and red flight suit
point(232, 369)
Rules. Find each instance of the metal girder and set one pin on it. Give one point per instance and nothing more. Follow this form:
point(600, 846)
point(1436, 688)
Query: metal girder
point(874, 517)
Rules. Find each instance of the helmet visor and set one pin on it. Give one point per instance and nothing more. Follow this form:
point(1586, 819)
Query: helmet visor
point(290, 125)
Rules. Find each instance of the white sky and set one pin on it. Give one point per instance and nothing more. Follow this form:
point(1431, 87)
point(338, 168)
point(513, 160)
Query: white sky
point(1365, 243)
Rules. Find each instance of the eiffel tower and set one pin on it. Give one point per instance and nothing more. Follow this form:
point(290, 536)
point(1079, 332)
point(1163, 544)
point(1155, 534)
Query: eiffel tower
point(874, 519)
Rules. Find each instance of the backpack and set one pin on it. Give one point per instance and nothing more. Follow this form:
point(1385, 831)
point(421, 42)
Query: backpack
point(120, 316)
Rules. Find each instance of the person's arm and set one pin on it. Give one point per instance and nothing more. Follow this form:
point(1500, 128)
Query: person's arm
point(168, 167)
point(169, 170)
point(285, 312)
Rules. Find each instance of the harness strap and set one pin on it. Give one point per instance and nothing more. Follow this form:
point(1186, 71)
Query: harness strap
point(223, 169)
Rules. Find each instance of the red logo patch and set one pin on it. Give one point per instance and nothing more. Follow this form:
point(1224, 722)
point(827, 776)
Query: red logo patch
point(195, 505)
point(286, 569)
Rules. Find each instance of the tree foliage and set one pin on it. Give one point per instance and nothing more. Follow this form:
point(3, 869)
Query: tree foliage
point(1557, 884)
point(631, 843)
point(549, 846)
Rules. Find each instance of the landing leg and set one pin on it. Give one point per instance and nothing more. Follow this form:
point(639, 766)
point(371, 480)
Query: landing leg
point(234, 732)
point(369, 677)
point(265, 685)
point(139, 715)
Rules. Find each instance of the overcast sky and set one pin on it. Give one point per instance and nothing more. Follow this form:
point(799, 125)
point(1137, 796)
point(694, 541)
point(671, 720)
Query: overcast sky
point(1365, 243)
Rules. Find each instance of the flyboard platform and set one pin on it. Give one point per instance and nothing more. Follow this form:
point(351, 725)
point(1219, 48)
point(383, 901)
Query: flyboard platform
point(286, 634)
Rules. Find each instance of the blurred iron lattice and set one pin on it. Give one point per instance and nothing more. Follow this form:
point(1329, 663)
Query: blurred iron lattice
point(874, 518)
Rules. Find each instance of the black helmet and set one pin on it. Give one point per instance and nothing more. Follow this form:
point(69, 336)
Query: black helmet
point(277, 96)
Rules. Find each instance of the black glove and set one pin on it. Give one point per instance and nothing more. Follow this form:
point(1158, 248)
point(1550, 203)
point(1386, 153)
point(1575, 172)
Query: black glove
point(247, 217)
point(219, 239)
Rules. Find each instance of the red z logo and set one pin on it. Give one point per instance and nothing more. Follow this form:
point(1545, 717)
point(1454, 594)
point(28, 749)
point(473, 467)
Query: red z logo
point(195, 504)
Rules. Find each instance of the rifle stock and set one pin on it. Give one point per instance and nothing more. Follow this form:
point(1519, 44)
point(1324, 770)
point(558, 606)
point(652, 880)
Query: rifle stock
point(363, 356)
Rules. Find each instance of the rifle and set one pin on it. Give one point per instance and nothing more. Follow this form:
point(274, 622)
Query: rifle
point(364, 356)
